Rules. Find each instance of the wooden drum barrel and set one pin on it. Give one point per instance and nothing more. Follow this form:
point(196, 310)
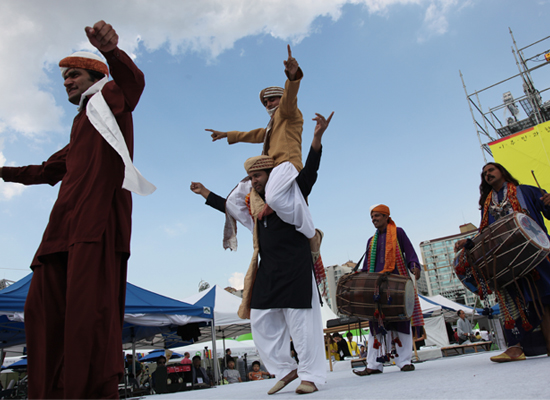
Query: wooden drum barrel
point(361, 294)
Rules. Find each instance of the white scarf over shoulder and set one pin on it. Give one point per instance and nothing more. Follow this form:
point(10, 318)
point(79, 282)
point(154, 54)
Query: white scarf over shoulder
point(103, 120)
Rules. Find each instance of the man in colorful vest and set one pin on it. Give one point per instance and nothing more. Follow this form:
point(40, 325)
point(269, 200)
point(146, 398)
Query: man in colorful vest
point(390, 250)
point(501, 194)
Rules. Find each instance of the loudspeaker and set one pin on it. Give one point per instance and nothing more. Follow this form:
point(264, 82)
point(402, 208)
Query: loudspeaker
point(179, 378)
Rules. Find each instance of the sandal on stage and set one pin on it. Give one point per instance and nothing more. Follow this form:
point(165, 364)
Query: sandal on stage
point(408, 367)
point(506, 358)
point(283, 382)
point(306, 387)
point(367, 371)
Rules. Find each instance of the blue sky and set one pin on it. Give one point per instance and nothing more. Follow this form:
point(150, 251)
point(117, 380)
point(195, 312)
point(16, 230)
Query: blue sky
point(401, 134)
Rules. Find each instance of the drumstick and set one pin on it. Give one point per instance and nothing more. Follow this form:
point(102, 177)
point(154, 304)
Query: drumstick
point(328, 347)
point(414, 346)
point(535, 178)
point(414, 342)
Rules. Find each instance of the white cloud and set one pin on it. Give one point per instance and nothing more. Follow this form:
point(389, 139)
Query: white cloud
point(8, 189)
point(237, 280)
point(382, 6)
point(435, 18)
point(175, 229)
point(36, 34)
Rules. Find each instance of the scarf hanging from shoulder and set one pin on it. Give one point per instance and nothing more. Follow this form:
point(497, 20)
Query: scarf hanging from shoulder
point(398, 261)
point(320, 274)
point(512, 193)
point(268, 129)
point(230, 225)
point(392, 254)
point(103, 120)
point(255, 205)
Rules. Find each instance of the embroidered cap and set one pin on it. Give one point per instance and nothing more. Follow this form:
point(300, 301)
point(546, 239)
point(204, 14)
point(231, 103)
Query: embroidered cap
point(258, 163)
point(272, 91)
point(84, 60)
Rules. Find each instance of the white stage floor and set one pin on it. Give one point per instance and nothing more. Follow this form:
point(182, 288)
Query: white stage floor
point(470, 376)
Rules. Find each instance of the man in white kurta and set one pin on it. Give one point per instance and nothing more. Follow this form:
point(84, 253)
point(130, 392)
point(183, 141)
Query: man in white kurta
point(282, 299)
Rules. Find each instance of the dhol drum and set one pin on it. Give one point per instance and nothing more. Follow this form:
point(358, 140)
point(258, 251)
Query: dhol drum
point(361, 294)
point(507, 249)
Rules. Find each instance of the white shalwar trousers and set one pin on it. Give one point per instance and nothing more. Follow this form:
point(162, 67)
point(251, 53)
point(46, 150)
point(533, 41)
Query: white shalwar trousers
point(404, 352)
point(282, 194)
point(272, 330)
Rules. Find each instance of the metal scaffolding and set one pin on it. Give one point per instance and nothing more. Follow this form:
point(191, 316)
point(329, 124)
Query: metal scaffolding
point(486, 123)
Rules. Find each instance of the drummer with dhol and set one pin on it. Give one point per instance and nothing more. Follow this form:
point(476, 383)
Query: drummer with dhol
point(390, 250)
point(501, 194)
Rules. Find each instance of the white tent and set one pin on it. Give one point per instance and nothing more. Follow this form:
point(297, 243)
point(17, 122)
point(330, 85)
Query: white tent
point(449, 312)
point(434, 323)
point(436, 333)
point(428, 307)
point(228, 324)
point(238, 348)
point(327, 313)
point(449, 307)
point(445, 302)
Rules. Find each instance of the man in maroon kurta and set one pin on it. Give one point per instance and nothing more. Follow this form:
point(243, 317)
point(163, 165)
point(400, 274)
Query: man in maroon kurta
point(75, 306)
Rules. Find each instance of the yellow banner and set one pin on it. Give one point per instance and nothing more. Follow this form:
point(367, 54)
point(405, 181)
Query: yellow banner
point(524, 152)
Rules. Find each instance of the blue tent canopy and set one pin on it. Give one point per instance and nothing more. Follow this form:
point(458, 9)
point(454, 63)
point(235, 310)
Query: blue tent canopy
point(155, 354)
point(140, 303)
point(14, 296)
point(21, 364)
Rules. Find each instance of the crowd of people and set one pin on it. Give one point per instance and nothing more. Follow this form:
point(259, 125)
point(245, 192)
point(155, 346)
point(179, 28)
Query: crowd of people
point(201, 377)
point(338, 348)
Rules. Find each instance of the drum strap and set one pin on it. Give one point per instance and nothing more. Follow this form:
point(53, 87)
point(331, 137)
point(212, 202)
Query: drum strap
point(537, 301)
point(477, 273)
point(522, 307)
point(347, 277)
point(518, 288)
point(358, 265)
point(495, 284)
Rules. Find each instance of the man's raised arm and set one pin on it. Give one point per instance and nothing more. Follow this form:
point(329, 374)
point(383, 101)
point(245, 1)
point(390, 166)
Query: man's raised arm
point(308, 175)
point(212, 199)
point(320, 128)
point(127, 76)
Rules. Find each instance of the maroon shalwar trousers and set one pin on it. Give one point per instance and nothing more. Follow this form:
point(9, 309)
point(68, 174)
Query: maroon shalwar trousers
point(73, 322)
